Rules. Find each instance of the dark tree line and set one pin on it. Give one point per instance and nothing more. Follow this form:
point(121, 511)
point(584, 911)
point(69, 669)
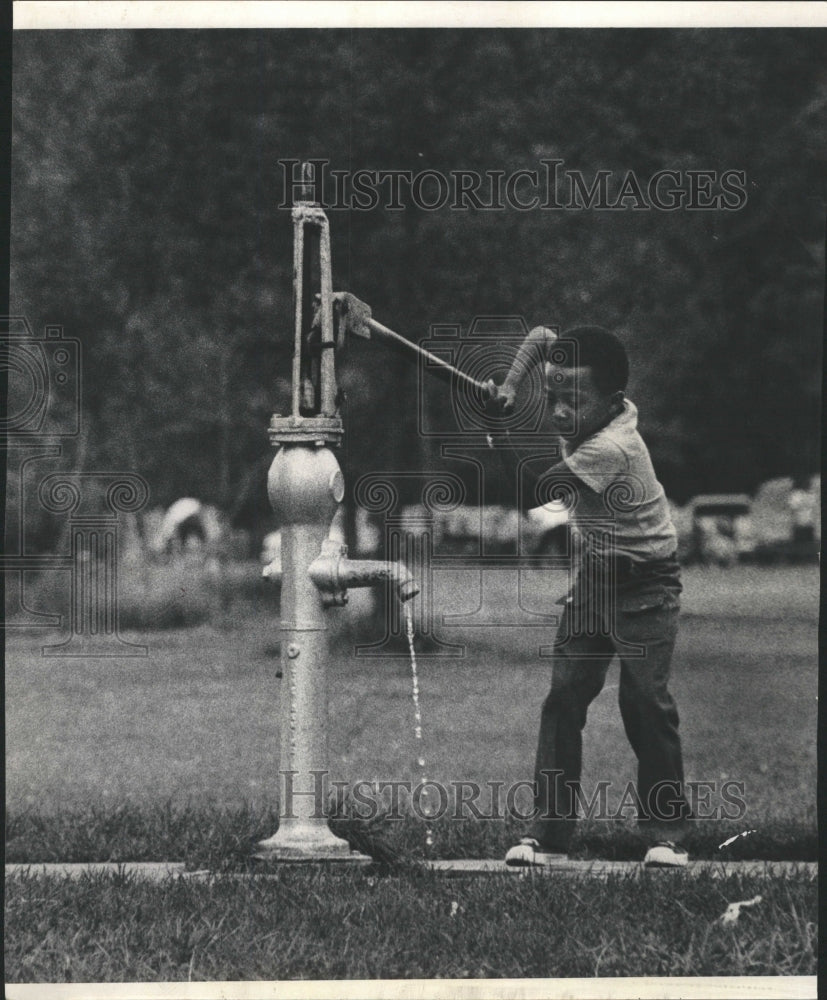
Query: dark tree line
point(146, 220)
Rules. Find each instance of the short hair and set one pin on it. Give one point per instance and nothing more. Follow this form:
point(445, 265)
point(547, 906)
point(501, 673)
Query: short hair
point(596, 348)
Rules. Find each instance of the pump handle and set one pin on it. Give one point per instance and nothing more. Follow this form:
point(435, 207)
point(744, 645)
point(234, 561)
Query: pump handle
point(488, 389)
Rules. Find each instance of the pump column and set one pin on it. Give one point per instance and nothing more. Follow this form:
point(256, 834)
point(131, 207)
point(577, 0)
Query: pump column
point(305, 486)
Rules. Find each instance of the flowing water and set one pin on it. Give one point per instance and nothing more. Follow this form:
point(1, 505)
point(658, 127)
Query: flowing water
point(420, 755)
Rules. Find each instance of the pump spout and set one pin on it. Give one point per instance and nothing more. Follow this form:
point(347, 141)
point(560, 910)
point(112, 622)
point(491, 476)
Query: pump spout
point(333, 573)
point(368, 572)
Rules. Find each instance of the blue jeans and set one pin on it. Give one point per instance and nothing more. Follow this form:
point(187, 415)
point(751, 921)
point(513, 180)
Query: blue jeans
point(634, 614)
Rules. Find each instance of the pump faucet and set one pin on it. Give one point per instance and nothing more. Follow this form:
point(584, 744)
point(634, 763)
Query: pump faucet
point(333, 573)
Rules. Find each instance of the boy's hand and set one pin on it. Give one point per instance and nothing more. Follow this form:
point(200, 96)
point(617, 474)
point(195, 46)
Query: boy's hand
point(497, 435)
point(506, 394)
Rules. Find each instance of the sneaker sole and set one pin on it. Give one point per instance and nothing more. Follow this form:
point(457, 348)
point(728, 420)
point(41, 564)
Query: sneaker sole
point(547, 861)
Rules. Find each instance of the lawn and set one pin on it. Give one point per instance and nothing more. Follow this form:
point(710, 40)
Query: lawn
point(306, 925)
point(175, 757)
point(197, 719)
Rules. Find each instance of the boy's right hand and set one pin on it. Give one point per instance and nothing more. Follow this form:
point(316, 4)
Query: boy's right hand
point(505, 397)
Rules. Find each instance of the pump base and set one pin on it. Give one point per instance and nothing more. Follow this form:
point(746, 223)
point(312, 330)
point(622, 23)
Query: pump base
point(282, 857)
point(299, 855)
point(315, 845)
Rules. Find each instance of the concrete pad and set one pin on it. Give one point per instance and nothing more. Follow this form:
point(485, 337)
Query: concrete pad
point(159, 871)
point(469, 866)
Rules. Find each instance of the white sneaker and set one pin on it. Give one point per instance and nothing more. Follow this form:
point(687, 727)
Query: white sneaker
point(529, 854)
point(666, 855)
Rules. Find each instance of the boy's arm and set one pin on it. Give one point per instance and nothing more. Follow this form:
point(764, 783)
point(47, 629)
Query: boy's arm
point(533, 351)
point(532, 467)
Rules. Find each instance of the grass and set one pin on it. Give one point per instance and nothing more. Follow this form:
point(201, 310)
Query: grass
point(222, 839)
point(303, 925)
point(175, 757)
point(163, 595)
point(197, 719)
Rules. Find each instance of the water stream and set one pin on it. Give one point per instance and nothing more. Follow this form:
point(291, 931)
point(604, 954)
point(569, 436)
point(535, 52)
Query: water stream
point(420, 754)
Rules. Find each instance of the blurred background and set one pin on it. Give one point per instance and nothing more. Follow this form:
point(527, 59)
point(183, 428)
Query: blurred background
point(146, 221)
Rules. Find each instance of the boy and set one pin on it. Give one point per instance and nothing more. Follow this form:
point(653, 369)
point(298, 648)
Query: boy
point(624, 599)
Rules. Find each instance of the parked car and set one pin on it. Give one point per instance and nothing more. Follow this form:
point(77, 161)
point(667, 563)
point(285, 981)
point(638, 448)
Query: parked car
point(722, 531)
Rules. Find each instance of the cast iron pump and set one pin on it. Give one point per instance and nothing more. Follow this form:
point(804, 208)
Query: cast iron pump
point(306, 489)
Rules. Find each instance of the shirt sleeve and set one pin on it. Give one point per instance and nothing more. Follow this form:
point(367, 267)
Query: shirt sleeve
point(598, 462)
point(534, 350)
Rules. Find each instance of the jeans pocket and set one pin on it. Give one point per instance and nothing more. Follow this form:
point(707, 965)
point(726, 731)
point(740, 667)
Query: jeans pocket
point(647, 597)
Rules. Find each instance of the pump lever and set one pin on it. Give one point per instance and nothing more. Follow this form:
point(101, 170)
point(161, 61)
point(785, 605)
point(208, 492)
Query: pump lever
point(351, 315)
point(488, 389)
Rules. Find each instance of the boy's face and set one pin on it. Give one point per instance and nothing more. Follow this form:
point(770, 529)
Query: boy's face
point(575, 407)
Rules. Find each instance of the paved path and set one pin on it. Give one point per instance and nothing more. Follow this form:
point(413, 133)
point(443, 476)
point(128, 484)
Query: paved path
point(158, 871)
point(605, 868)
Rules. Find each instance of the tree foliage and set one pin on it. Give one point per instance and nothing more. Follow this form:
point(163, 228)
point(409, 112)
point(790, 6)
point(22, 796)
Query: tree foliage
point(146, 220)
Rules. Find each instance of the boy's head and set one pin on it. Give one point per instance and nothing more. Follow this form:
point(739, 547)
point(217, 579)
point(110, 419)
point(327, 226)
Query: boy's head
point(586, 380)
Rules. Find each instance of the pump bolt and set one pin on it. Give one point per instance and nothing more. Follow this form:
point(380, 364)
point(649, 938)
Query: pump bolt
point(337, 486)
point(293, 650)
